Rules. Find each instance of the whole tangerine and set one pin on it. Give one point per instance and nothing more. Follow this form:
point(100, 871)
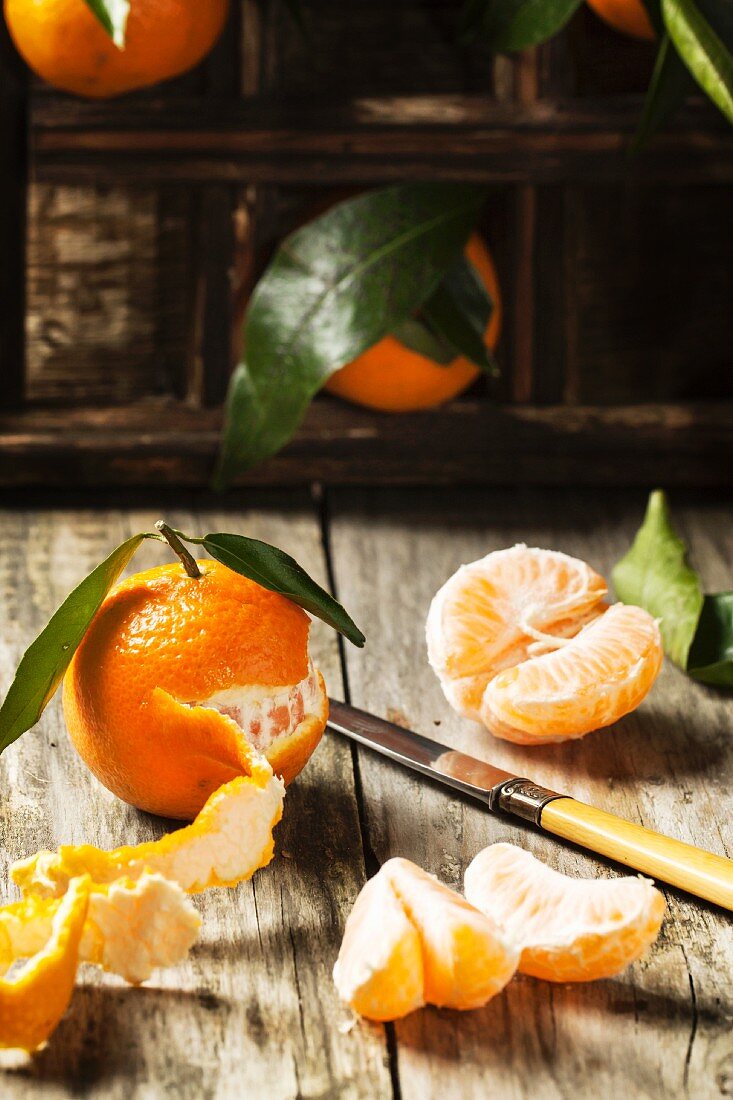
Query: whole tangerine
point(179, 677)
point(628, 16)
point(393, 378)
point(64, 43)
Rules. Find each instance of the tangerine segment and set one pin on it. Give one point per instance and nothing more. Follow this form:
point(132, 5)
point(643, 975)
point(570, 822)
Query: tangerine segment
point(379, 970)
point(393, 378)
point(568, 930)
point(410, 941)
point(466, 958)
point(592, 681)
point(493, 613)
point(33, 1001)
point(132, 927)
point(229, 840)
point(178, 678)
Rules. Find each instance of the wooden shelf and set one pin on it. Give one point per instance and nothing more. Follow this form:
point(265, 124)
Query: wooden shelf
point(165, 443)
point(469, 138)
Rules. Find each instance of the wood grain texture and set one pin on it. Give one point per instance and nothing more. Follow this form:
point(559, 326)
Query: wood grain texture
point(661, 1029)
point(373, 139)
point(14, 142)
point(105, 322)
point(254, 1012)
point(469, 441)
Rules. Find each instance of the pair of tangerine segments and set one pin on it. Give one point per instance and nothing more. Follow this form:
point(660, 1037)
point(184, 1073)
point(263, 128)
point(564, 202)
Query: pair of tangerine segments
point(125, 910)
point(523, 642)
point(411, 941)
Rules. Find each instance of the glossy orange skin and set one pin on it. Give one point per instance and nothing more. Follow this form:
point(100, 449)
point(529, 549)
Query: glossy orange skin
point(627, 16)
point(66, 44)
point(160, 641)
point(393, 378)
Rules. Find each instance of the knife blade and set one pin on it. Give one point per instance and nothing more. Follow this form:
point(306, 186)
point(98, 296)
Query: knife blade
point(701, 873)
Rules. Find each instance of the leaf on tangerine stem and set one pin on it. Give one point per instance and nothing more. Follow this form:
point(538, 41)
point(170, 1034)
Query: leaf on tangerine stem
point(417, 335)
point(458, 310)
point(44, 663)
point(670, 85)
point(697, 630)
point(274, 569)
point(655, 575)
point(509, 25)
point(112, 14)
point(704, 53)
point(334, 288)
point(711, 652)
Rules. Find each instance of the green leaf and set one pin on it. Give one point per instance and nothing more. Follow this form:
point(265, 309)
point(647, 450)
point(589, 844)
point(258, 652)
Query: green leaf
point(458, 310)
point(711, 653)
point(43, 665)
point(720, 17)
point(655, 575)
point(669, 87)
point(702, 51)
point(334, 288)
point(112, 14)
point(276, 570)
point(509, 25)
point(415, 334)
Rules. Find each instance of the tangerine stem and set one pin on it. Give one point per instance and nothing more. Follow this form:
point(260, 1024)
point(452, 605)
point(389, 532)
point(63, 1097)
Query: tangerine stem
point(170, 536)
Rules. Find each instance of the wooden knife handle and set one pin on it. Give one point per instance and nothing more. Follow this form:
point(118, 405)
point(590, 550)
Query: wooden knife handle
point(692, 869)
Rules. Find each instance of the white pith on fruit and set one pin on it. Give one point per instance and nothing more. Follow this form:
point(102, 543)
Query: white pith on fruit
point(267, 712)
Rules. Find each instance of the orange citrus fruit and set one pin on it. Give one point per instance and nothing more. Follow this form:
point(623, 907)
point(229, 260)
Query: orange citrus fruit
point(178, 679)
point(568, 930)
point(627, 16)
point(410, 941)
point(522, 641)
point(394, 378)
point(66, 44)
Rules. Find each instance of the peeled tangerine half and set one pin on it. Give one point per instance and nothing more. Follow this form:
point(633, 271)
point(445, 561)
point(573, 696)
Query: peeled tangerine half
point(229, 840)
point(33, 1000)
point(523, 642)
point(411, 941)
point(568, 930)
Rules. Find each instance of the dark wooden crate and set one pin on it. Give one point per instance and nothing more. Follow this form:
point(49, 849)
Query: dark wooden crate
point(150, 217)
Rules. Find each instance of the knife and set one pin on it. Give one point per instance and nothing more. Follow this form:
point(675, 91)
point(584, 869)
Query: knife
point(694, 870)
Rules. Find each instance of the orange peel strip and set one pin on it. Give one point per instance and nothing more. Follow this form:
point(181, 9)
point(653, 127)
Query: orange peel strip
point(230, 839)
point(568, 929)
point(411, 941)
point(33, 1001)
point(131, 928)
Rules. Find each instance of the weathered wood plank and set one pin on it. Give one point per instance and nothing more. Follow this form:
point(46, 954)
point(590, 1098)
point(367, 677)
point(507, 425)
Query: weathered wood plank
point(13, 182)
point(661, 1029)
point(372, 139)
point(254, 1011)
point(101, 327)
point(469, 441)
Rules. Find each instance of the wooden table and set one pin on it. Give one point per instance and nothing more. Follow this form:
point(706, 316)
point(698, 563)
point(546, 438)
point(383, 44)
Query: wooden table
point(253, 1013)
